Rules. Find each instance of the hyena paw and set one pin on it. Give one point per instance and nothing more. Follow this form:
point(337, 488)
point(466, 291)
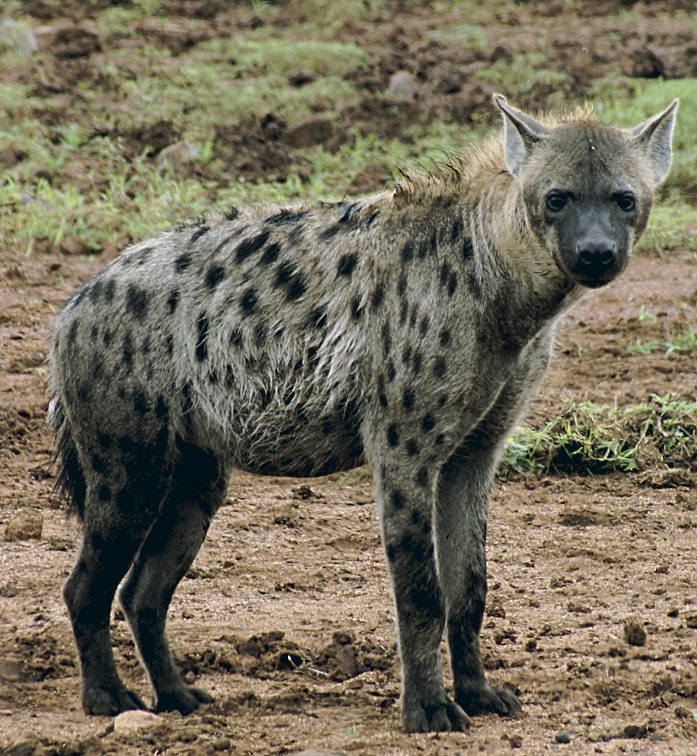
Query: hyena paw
point(482, 698)
point(107, 702)
point(444, 716)
point(185, 699)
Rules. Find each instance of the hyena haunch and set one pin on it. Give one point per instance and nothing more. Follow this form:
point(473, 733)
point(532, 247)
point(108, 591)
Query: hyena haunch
point(407, 328)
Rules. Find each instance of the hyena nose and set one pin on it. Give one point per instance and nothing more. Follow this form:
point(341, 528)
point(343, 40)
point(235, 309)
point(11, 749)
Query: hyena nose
point(596, 255)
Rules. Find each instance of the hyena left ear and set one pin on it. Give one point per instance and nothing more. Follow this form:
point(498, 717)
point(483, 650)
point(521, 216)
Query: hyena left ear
point(655, 138)
point(520, 134)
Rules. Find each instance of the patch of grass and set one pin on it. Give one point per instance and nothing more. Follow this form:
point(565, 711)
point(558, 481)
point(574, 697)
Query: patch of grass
point(588, 438)
point(681, 342)
point(525, 73)
point(672, 227)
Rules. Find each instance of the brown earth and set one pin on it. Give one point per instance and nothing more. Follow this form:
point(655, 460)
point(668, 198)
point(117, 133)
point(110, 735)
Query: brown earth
point(287, 616)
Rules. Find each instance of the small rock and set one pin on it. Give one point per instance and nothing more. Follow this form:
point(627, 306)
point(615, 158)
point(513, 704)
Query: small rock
point(634, 633)
point(402, 87)
point(691, 621)
point(562, 737)
point(635, 731)
point(27, 523)
point(134, 721)
point(222, 744)
point(516, 741)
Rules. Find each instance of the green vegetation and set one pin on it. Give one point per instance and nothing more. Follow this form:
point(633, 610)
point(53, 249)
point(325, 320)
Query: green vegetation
point(686, 341)
point(588, 438)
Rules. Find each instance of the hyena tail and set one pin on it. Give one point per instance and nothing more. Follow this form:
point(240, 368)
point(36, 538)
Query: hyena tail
point(70, 482)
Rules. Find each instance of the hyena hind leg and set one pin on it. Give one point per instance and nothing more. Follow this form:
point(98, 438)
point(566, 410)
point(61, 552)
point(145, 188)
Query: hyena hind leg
point(199, 487)
point(112, 535)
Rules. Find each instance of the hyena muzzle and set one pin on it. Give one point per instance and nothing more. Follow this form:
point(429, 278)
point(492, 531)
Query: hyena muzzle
point(407, 329)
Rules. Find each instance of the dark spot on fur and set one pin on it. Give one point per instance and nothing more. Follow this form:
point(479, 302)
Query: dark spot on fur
point(236, 338)
point(467, 249)
point(110, 290)
point(296, 288)
point(456, 229)
point(434, 242)
point(428, 423)
point(318, 318)
point(249, 301)
point(141, 405)
point(198, 234)
point(386, 339)
point(423, 326)
point(331, 231)
point(444, 337)
point(392, 435)
point(96, 290)
point(439, 366)
point(169, 344)
point(127, 350)
point(346, 265)
point(347, 211)
point(424, 248)
point(382, 398)
point(137, 301)
point(94, 332)
point(412, 447)
point(445, 271)
point(402, 284)
point(182, 262)
point(173, 300)
point(407, 253)
point(216, 273)
point(356, 309)
point(286, 217)
point(440, 438)
point(443, 400)
point(397, 500)
point(250, 246)
point(202, 341)
point(98, 464)
point(104, 493)
point(416, 362)
point(452, 284)
point(422, 477)
point(161, 408)
point(105, 440)
point(391, 372)
point(260, 334)
point(406, 355)
point(403, 312)
point(271, 254)
point(377, 296)
point(232, 214)
point(408, 399)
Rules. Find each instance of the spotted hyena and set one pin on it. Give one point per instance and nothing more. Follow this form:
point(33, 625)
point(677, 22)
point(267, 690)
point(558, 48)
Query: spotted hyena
point(406, 328)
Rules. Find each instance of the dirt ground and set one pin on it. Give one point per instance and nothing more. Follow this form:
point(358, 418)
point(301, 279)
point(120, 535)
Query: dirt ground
point(286, 615)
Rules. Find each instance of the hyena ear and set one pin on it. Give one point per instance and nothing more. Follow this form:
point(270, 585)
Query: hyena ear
point(520, 134)
point(655, 138)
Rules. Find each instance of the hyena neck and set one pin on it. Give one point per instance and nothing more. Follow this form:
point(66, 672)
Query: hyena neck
point(525, 291)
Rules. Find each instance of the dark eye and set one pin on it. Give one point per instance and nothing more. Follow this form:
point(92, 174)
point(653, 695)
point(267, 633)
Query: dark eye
point(625, 202)
point(556, 201)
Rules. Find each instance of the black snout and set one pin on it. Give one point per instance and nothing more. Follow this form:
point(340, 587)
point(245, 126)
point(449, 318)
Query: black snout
point(596, 256)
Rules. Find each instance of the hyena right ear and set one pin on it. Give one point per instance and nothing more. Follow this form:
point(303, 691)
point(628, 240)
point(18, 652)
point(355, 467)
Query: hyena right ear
point(520, 133)
point(655, 136)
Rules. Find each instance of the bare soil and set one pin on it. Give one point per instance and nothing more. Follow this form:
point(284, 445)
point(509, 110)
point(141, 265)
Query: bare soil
point(286, 615)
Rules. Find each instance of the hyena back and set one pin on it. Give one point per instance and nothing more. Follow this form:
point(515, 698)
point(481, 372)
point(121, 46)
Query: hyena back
point(406, 328)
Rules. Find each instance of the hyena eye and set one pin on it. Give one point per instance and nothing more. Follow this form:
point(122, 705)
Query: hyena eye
point(626, 202)
point(556, 201)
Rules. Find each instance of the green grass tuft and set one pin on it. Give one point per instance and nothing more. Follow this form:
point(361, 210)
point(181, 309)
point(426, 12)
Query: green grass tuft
point(588, 438)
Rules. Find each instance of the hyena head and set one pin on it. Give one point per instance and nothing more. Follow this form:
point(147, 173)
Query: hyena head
point(587, 187)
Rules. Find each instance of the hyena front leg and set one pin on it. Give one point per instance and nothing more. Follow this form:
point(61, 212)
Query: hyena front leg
point(463, 492)
point(406, 512)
